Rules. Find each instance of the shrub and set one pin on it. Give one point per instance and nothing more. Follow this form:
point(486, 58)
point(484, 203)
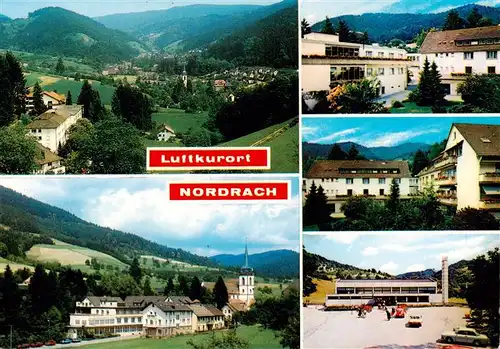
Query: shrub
point(397, 104)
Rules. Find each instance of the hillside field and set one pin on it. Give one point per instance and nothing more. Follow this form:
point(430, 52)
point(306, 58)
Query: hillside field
point(179, 120)
point(13, 265)
point(257, 337)
point(70, 255)
point(172, 265)
point(323, 287)
point(63, 85)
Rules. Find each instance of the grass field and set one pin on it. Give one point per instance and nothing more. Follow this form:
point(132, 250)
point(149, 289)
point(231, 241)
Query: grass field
point(72, 255)
point(284, 148)
point(412, 107)
point(179, 120)
point(323, 287)
point(62, 85)
point(257, 337)
point(14, 266)
point(173, 265)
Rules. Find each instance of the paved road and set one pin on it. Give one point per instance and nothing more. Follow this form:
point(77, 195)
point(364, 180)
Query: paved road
point(95, 341)
point(343, 329)
point(398, 96)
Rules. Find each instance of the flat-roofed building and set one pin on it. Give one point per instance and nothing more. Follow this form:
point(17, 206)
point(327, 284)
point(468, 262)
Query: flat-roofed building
point(327, 62)
point(341, 179)
point(467, 172)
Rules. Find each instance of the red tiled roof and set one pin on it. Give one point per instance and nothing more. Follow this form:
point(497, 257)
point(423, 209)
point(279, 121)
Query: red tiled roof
point(445, 41)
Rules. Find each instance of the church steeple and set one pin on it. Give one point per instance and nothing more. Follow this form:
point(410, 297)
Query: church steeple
point(246, 253)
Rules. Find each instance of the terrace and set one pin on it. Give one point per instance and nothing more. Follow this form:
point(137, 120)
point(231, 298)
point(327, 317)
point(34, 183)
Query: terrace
point(489, 177)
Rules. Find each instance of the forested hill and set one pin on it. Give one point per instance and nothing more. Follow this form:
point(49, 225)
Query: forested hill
point(272, 41)
point(29, 215)
point(383, 27)
point(4, 18)
point(59, 32)
point(278, 263)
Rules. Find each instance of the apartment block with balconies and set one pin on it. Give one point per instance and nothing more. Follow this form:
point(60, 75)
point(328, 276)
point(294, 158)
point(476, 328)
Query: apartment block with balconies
point(341, 179)
point(326, 62)
point(467, 172)
point(462, 52)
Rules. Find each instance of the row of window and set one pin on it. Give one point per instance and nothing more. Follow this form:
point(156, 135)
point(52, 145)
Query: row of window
point(369, 290)
point(340, 51)
point(477, 42)
point(351, 180)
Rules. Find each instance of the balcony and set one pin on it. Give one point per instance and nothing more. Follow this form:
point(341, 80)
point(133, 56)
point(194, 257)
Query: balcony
point(489, 204)
point(447, 199)
point(444, 180)
point(451, 160)
point(491, 177)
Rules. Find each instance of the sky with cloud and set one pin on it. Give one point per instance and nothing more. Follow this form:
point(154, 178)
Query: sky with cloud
point(140, 205)
point(94, 8)
point(383, 132)
point(397, 253)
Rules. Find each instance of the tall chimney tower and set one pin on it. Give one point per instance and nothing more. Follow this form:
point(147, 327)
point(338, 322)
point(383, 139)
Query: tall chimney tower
point(444, 278)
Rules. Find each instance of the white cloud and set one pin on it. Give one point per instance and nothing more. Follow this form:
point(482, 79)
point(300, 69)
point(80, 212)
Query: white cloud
point(41, 187)
point(389, 267)
point(370, 251)
point(395, 138)
point(462, 242)
point(335, 135)
point(308, 131)
point(150, 214)
point(415, 267)
point(343, 238)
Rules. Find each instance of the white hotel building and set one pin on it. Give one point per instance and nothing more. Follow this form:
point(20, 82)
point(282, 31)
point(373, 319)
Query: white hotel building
point(462, 52)
point(467, 172)
point(341, 179)
point(326, 62)
point(392, 291)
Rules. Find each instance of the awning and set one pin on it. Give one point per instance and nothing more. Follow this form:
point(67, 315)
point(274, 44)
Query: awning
point(491, 190)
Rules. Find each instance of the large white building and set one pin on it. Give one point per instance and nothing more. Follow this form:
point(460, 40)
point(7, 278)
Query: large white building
point(467, 172)
point(462, 52)
point(155, 316)
point(326, 62)
point(341, 179)
point(50, 99)
point(391, 291)
point(51, 128)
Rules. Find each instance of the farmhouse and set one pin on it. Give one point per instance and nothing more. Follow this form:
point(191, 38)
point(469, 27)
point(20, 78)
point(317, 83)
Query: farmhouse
point(327, 62)
point(165, 133)
point(462, 52)
point(49, 162)
point(219, 84)
point(50, 99)
point(50, 128)
point(207, 317)
point(341, 179)
point(391, 291)
point(467, 172)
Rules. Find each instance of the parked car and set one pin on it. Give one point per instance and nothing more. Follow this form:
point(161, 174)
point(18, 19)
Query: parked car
point(23, 346)
point(76, 340)
point(465, 335)
point(400, 312)
point(37, 345)
point(65, 341)
point(415, 321)
point(50, 343)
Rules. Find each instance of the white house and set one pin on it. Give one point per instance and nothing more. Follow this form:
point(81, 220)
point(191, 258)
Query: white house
point(462, 52)
point(165, 133)
point(341, 179)
point(50, 99)
point(165, 319)
point(49, 162)
point(326, 62)
point(50, 128)
point(207, 317)
point(467, 172)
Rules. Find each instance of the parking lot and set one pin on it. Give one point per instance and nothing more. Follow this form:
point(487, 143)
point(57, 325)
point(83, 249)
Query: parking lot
point(343, 329)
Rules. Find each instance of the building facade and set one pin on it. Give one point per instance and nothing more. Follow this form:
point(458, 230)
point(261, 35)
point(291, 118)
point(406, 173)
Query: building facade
point(341, 179)
point(462, 52)
point(49, 162)
point(467, 172)
point(327, 62)
point(163, 319)
point(51, 128)
point(50, 99)
point(246, 282)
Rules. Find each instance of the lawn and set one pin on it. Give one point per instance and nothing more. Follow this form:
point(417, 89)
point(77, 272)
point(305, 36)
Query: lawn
point(63, 86)
point(13, 265)
point(173, 265)
point(257, 337)
point(323, 287)
point(72, 255)
point(413, 108)
point(284, 148)
point(179, 120)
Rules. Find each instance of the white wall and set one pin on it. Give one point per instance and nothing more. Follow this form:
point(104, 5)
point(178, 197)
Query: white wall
point(455, 62)
point(154, 316)
point(339, 186)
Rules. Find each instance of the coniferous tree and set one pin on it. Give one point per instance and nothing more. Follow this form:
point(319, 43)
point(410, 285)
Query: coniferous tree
point(424, 93)
point(474, 18)
point(170, 288)
point(336, 153)
point(10, 299)
point(132, 105)
point(305, 27)
point(453, 21)
point(136, 271)
point(328, 27)
point(147, 289)
point(18, 82)
point(353, 153)
point(69, 98)
point(39, 106)
point(195, 290)
point(393, 201)
point(183, 286)
point(6, 94)
point(343, 31)
point(221, 296)
point(60, 66)
point(437, 89)
point(91, 101)
point(420, 161)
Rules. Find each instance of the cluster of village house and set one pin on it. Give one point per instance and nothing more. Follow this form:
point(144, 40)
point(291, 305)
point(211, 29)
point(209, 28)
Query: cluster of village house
point(326, 61)
point(160, 316)
point(465, 174)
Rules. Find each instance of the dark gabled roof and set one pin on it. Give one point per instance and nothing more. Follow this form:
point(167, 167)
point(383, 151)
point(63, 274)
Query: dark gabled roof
point(169, 307)
point(47, 155)
point(179, 300)
point(331, 169)
point(97, 300)
point(444, 41)
point(477, 135)
point(143, 300)
point(201, 310)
